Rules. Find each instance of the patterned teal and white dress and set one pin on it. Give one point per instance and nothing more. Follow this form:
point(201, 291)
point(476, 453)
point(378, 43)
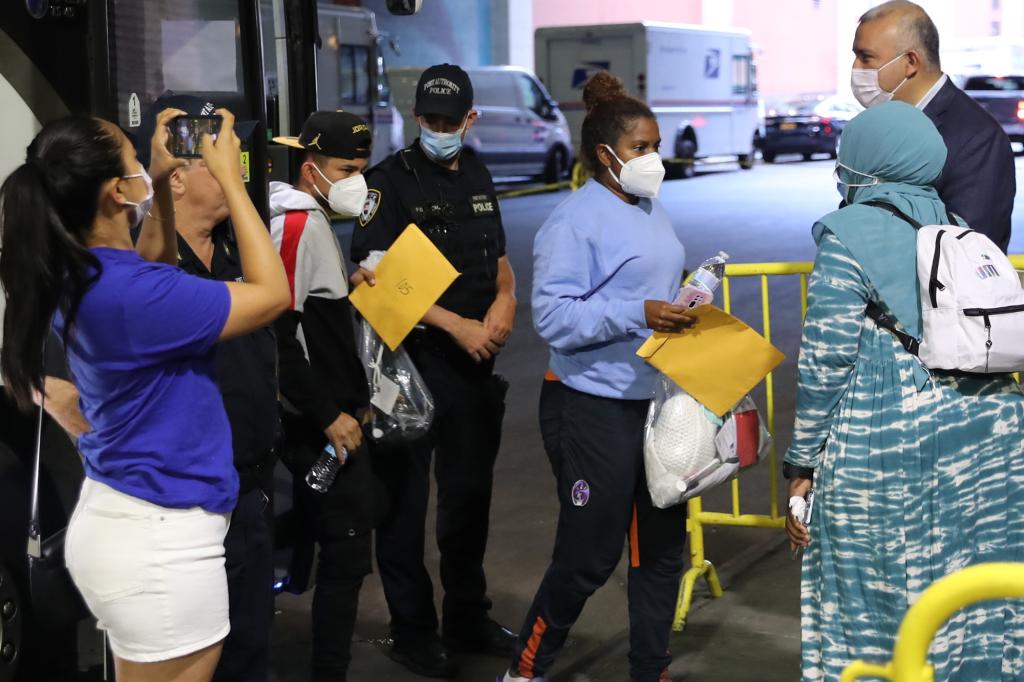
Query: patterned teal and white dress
point(916, 477)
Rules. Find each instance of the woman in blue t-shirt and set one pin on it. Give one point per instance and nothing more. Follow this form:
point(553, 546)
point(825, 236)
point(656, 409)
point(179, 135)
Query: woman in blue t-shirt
point(606, 263)
point(145, 542)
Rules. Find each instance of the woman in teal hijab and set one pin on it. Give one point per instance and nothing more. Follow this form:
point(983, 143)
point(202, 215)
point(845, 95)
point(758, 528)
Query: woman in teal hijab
point(897, 506)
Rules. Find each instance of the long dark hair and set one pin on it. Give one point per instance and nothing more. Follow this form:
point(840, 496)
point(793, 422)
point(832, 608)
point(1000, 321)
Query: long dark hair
point(47, 209)
point(610, 114)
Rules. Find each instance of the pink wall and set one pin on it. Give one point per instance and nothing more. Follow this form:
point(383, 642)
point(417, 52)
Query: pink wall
point(974, 19)
point(795, 55)
point(572, 12)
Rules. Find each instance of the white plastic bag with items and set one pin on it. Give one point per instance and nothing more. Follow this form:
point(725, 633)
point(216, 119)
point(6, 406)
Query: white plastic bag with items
point(403, 408)
point(688, 449)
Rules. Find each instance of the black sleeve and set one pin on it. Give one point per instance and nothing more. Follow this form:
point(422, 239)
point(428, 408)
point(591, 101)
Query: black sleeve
point(331, 341)
point(981, 185)
point(382, 219)
point(297, 380)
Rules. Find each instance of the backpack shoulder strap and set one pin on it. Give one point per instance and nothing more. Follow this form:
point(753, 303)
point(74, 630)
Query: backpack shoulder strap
point(888, 323)
point(885, 206)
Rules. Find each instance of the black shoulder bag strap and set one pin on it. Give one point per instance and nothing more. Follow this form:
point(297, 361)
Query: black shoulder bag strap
point(56, 601)
point(881, 318)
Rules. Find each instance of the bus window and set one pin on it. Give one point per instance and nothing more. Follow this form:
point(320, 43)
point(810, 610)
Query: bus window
point(355, 75)
point(187, 46)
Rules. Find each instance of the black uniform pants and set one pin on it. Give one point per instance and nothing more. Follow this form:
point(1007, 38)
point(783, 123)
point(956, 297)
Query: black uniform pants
point(596, 450)
point(341, 521)
point(464, 441)
point(249, 563)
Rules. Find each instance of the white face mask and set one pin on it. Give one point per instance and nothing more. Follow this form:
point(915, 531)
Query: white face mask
point(865, 86)
point(140, 208)
point(641, 176)
point(347, 196)
point(848, 193)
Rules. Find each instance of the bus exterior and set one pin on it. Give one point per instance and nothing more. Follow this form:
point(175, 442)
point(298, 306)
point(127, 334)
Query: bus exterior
point(700, 83)
point(350, 73)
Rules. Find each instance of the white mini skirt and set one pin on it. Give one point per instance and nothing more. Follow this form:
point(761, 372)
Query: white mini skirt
point(153, 577)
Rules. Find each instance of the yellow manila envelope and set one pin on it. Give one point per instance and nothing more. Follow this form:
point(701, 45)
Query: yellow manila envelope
point(717, 361)
point(411, 276)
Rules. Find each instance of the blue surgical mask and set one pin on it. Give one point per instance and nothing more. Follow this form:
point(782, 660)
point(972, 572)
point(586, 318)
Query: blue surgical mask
point(441, 146)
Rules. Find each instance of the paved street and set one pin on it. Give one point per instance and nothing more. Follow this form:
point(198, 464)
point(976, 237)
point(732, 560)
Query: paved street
point(757, 216)
point(752, 633)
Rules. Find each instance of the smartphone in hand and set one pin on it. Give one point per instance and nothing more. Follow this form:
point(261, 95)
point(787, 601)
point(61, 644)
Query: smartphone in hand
point(187, 134)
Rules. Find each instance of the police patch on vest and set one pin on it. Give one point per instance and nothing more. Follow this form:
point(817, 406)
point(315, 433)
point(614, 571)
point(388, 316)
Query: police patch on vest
point(483, 204)
point(370, 207)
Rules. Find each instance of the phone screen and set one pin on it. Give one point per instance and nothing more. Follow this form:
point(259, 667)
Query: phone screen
point(187, 134)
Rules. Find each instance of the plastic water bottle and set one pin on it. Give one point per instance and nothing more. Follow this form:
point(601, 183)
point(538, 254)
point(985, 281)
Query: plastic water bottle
point(323, 472)
point(704, 282)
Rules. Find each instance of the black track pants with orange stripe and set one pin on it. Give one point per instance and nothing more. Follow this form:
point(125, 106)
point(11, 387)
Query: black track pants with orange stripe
point(596, 450)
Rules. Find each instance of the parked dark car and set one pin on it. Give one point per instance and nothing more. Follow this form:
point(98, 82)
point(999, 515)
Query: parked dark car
point(806, 127)
point(1003, 97)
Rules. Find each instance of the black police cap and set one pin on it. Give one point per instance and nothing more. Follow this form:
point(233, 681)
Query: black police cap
point(337, 134)
point(444, 89)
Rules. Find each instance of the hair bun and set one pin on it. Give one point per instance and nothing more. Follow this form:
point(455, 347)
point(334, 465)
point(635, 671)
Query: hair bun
point(602, 87)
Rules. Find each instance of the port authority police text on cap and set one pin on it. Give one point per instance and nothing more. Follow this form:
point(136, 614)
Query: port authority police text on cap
point(444, 89)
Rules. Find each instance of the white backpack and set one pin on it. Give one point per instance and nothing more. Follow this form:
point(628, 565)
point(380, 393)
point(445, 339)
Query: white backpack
point(972, 303)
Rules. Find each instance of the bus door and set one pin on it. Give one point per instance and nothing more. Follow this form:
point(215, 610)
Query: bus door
point(206, 48)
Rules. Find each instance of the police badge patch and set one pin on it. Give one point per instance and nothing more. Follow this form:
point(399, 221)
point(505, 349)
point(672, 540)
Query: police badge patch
point(370, 207)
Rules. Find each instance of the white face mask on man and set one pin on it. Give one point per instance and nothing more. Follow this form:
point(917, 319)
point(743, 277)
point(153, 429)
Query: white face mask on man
point(866, 88)
point(641, 176)
point(347, 196)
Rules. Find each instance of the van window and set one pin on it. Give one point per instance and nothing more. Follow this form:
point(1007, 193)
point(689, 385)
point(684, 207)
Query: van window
point(533, 98)
point(493, 89)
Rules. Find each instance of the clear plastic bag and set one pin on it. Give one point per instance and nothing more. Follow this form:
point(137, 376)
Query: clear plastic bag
point(680, 455)
point(743, 438)
point(403, 408)
point(687, 449)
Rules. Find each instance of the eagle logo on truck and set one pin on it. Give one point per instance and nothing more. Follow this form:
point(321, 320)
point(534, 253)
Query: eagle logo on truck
point(584, 70)
point(712, 63)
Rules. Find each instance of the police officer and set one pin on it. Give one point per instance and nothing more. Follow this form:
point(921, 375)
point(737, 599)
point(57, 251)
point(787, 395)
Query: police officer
point(443, 187)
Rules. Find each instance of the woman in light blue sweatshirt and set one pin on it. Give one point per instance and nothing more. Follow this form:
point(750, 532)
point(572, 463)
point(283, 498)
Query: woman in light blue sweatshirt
point(606, 263)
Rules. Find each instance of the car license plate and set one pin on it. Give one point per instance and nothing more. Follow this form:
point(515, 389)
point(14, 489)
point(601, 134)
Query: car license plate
point(787, 126)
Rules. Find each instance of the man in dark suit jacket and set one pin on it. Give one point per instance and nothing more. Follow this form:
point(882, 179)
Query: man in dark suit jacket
point(897, 57)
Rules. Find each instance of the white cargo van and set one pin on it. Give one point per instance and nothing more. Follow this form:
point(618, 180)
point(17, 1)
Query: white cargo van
point(700, 83)
point(521, 132)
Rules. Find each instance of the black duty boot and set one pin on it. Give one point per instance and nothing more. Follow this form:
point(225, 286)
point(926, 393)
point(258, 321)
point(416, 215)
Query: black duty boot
point(424, 656)
point(487, 637)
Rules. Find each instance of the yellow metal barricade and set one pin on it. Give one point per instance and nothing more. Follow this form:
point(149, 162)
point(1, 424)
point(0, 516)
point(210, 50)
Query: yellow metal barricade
point(697, 517)
point(909, 663)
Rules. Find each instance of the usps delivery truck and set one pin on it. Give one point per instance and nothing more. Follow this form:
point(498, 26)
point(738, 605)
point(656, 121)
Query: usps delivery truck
point(701, 83)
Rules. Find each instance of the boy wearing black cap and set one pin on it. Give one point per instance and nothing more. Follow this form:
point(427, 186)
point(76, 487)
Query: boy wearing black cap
point(447, 191)
point(323, 385)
